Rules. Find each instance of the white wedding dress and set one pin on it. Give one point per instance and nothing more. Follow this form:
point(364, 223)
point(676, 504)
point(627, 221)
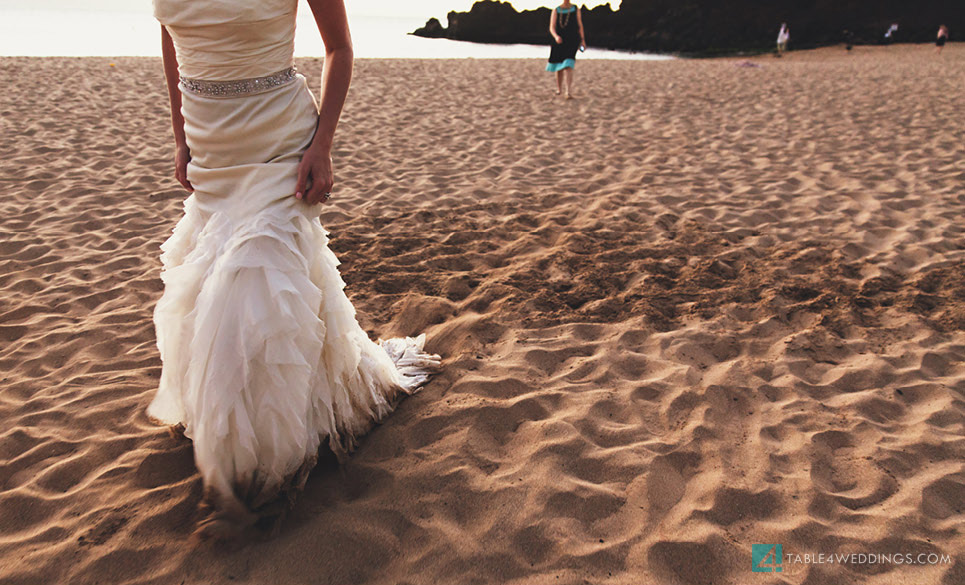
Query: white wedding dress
point(262, 355)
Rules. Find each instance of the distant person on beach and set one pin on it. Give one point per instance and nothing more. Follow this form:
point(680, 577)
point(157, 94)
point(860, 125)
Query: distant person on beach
point(848, 40)
point(941, 39)
point(566, 27)
point(890, 33)
point(783, 36)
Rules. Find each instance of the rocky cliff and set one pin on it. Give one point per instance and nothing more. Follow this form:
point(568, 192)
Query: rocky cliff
point(711, 26)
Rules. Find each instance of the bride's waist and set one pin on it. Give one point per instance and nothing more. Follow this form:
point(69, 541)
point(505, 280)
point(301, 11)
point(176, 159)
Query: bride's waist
point(228, 88)
point(227, 131)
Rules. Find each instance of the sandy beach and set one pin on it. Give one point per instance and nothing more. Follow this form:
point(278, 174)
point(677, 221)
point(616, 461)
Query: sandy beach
point(707, 304)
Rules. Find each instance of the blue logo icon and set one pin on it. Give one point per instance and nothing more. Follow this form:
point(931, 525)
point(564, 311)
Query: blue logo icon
point(766, 558)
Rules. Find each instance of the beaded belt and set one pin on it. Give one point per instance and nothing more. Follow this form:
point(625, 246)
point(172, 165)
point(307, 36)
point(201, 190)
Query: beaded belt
point(237, 87)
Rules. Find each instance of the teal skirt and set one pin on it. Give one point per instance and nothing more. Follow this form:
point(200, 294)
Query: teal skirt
point(571, 63)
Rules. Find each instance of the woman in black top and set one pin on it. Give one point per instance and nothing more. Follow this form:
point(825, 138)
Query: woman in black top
point(566, 26)
point(941, 38)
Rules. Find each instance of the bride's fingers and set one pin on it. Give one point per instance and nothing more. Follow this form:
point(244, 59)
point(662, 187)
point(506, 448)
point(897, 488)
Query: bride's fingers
point(322, 183)
point(300, 186)
point(182, 178)
point(317, 194)
point(320, 192)
point(182, 159)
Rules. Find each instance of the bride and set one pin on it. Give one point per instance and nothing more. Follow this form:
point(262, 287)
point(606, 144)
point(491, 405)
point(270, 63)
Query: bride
point(263, 358)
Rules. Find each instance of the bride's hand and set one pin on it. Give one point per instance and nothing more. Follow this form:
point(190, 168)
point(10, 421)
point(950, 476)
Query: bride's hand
point(315, 176)
point(181, 158)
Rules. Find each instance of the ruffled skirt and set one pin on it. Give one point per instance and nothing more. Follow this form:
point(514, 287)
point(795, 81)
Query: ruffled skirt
point(263, 358)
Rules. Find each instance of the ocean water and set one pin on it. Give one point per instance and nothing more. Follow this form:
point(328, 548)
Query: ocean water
point(113, 28)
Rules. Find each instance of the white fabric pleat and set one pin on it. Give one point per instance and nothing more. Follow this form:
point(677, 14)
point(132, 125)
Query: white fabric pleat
point(263, 356)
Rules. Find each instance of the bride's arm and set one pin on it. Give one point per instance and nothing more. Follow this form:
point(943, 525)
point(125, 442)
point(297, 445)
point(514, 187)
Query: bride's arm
point(182, 154)
point(316, 163)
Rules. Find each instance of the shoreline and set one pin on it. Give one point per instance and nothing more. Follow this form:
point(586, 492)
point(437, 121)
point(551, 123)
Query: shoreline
point(708, 55)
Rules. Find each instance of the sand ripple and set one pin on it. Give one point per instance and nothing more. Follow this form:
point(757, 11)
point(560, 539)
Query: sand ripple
point(702, 306)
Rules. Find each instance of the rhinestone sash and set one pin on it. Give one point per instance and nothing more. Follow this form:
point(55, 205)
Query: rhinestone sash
point(237, 87)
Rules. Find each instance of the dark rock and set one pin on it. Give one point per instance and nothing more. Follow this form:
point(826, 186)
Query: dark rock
point(708, 27)
point(432, 30)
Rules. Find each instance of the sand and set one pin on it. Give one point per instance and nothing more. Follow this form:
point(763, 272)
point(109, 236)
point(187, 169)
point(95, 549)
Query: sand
point(700, 307)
